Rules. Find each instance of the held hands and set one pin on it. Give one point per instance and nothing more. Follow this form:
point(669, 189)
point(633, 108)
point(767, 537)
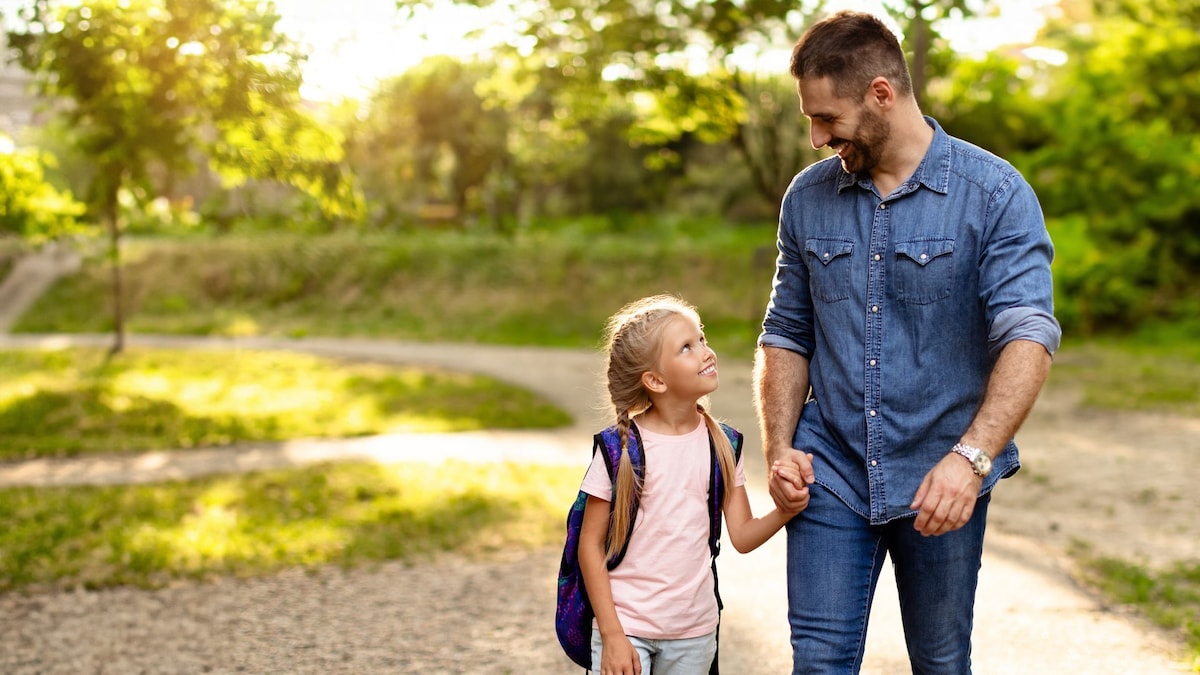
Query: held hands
point(788, 482)
point(947, 496)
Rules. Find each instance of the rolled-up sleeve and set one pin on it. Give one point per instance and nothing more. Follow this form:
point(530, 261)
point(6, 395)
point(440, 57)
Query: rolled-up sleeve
point(1016, 286)
point(1024, 323)
point(788, 323)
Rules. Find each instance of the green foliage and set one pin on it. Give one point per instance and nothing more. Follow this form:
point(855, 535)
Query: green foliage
point(345, 514)
point(1121, 160)
point(431, 286)
point(1168, 597)
point(583, 70)
point(429, 143)
point(65, 403)
point(929, 55)
point(992, 102)
point(30, 206)
point(1156, 368)
point(151, 82)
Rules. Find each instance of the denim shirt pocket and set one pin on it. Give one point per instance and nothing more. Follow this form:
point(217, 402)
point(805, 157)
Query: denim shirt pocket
point(829, 268)
point(924, 270)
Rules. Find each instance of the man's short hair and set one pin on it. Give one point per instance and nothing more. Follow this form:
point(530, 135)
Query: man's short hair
point(852, 49)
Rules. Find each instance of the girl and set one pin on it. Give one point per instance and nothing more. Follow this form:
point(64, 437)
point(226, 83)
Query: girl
point(657, 611)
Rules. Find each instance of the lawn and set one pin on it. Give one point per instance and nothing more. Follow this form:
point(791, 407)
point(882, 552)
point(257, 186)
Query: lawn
point(61, 403)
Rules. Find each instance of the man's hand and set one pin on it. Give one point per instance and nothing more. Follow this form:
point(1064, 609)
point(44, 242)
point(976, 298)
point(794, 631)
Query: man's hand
point(788, 481)
point(947, 496)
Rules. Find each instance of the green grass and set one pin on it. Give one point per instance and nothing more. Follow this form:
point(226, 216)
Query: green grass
point(72, 402)
point(534, 289)
point(1157, 368)
point(253, 524)
point(1169, 597)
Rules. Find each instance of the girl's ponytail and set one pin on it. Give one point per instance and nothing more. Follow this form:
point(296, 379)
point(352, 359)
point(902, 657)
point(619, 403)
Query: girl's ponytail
point(724, 450)
point(624, 490)
point(632, 340)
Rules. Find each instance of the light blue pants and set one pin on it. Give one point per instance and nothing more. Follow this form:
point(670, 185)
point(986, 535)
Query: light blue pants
point(689, 656)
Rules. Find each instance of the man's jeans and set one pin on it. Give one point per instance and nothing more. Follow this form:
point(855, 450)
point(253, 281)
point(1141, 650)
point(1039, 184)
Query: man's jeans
point(834, 561)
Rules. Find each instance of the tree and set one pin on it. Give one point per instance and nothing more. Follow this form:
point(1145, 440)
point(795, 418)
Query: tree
point(30, 207)
point(146, 85)
point(994, 101)
point(648, 53)
point(1120, 162)
point(929, 55)
point(430, 139)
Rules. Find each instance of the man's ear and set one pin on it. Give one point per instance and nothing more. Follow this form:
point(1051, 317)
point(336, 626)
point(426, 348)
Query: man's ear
point(880, 93)
point(652, 382)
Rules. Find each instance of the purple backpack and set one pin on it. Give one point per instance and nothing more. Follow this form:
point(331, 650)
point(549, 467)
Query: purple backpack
point(573, 618)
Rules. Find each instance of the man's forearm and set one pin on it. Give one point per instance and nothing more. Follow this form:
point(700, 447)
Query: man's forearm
point(780, 389)
point(1012, 389)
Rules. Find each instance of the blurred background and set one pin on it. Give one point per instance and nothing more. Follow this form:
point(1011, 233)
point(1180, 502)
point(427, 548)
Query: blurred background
point(521, 135)
point(509, 173)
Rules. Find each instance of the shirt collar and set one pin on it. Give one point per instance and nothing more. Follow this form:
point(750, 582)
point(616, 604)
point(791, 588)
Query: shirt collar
point(933, 172)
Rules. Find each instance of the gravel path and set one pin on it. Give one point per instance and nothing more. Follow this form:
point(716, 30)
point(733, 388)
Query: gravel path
point(455, 615)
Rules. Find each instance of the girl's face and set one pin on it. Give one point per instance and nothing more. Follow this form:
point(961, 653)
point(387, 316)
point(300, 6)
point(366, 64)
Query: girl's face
point(686, 364)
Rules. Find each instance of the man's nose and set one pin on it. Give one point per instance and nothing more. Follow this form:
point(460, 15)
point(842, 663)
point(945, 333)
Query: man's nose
point(819, 135)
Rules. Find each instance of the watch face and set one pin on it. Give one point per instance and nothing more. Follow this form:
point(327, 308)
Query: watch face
point(983, 464)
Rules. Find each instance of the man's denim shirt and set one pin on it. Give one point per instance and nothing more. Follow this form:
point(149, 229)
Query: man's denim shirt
point(902, 305)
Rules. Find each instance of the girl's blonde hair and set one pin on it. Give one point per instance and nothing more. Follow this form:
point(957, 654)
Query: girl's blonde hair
point(633, 343)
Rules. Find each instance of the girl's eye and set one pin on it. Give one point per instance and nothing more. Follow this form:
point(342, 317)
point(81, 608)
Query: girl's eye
point(686, 348)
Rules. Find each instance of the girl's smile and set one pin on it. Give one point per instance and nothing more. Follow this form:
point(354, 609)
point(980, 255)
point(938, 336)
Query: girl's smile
point(686, 364)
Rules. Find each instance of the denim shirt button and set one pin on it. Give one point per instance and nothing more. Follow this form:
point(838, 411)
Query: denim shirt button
point(872, 362)
point(872, 413)
point(877, 257)
point(874, 308)
point(883, 206)
point(874, 463)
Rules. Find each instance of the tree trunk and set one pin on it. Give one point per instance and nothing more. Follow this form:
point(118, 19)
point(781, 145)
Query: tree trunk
point(111, 221)
point(920, 59)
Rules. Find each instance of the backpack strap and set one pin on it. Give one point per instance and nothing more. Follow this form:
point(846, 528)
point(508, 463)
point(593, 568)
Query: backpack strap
point(716, 502)
point(716, 486)
point(609, 441)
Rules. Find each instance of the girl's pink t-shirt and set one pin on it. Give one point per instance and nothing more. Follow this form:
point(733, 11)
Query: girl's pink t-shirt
point(663, 589)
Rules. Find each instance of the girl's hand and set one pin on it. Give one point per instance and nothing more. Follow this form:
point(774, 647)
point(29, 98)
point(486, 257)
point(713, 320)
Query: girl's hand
point(786, 470)
point(785, 478)
point(618, 657)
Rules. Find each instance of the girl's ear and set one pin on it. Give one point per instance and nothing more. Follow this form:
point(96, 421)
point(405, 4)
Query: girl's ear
point(653, 383)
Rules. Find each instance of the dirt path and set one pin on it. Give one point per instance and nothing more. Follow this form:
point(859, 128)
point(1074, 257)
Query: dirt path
point(1124, 484)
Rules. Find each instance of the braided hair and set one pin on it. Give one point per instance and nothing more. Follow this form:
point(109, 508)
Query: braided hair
point(633, 343)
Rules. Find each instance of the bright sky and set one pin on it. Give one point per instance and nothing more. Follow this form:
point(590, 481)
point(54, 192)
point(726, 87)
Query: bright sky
point(355, 43)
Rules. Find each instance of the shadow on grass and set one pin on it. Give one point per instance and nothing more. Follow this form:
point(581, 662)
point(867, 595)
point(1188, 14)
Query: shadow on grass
point(253, 524)
point(90, 419)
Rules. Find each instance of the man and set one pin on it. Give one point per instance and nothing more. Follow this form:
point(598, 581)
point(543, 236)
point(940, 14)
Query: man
point(913, 293)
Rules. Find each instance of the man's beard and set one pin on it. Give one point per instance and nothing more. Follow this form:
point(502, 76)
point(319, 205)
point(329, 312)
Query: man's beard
point(865, 147)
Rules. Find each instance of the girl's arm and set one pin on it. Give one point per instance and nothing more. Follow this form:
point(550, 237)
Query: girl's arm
point(617, 653)
point(746, 532)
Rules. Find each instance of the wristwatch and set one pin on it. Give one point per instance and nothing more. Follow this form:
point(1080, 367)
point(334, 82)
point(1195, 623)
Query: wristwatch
point(981, 462)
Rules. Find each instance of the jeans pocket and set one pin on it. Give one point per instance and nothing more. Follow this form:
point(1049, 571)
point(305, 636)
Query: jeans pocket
point(829, 268)
point(924, 270)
